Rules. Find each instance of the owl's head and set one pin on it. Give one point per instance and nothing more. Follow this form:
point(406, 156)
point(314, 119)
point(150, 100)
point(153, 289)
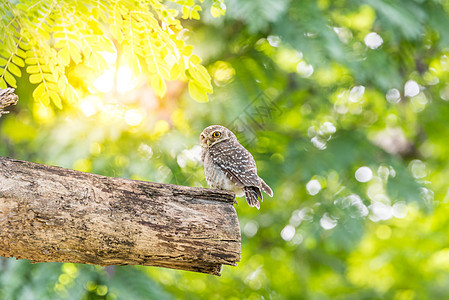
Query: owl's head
point(215, 134)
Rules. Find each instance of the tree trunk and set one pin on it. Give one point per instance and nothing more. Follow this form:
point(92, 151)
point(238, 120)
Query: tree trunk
point(51, 214)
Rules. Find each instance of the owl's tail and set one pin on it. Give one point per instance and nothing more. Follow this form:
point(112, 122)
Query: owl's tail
point(266, 188)
point(251, 195)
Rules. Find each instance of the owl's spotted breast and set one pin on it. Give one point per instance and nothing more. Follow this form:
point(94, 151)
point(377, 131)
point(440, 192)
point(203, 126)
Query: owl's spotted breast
point(237, 161)
point(217, 178)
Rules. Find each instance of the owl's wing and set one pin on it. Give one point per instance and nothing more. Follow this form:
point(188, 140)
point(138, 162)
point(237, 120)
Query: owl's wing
point(237, 163)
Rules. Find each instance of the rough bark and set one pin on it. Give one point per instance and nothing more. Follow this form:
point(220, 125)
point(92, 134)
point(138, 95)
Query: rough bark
point(51, 214)
point(7, 97)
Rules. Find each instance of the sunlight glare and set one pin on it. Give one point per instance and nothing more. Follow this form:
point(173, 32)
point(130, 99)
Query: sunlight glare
point(105, 82)
point(90, 105)
point(109, 57)
point(133, 117)
point(126, 81)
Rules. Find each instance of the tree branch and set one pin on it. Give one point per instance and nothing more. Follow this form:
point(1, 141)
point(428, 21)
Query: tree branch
point(51, 214)
point(7, 97)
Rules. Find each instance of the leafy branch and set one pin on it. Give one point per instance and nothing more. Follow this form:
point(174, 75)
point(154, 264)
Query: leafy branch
point(48, 37)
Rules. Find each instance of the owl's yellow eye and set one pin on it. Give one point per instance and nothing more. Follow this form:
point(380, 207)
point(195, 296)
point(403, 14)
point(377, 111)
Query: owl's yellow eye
point(216, 134)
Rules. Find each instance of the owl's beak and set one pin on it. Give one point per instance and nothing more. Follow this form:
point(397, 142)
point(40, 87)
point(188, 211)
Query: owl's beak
point(208, 142)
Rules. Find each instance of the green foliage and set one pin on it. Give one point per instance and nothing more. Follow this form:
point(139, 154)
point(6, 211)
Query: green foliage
point(343, 104)
point(50, 37)
point(23, 280)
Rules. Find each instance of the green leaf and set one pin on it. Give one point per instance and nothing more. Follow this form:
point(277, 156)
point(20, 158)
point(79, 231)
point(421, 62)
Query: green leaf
point(10, 79)
point(185, 12)
point(175, 72)
point(3, 84)
point(197, 93)
point(20, 54)
point(35, 78)
point(18, 61)
point(158, 84)
point(39, 91)
point(56, 99)
point(199, 74)
point(31, 60)
point(33, 69)
point(62, 83)
point(74, 53)
point(70, 94)
point(215, 12)
point(218, 9)
point(45, 99)
point(3, 61)
point(194, 59)
point(97, 62)
point(14, 70)
point(49, 77)
point(64, 56)
point(195, 15)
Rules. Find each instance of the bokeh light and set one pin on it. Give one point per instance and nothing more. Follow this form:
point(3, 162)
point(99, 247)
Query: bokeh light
point(363, 174)
point(373, 40)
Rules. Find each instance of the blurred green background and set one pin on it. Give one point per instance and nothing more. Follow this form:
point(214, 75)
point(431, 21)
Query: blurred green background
point(343, 104)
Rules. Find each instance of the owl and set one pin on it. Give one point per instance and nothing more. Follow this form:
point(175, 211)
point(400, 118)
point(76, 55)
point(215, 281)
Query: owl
point(229, 166)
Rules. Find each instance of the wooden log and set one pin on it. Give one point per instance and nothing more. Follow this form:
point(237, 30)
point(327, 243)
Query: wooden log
point(51, 214)
point(7, 97)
